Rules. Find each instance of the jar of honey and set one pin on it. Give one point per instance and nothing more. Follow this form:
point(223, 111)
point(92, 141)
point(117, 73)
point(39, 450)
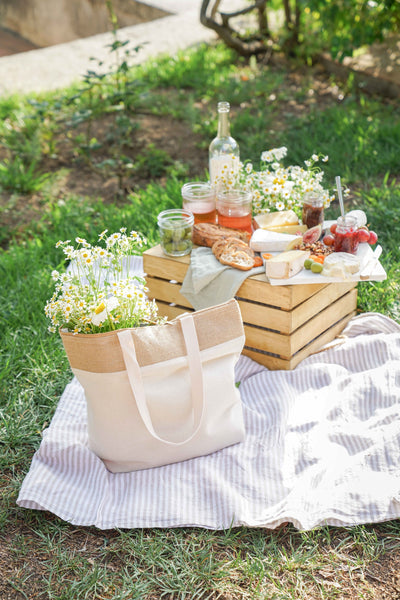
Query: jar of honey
point(313, 210)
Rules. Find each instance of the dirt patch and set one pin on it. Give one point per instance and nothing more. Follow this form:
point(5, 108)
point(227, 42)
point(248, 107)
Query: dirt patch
point(153, 146)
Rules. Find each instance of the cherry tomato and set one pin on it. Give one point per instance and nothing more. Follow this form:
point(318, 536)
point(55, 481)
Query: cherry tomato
point(329, 240)
point(373, 237)
point(363, 235)
point(333, 228)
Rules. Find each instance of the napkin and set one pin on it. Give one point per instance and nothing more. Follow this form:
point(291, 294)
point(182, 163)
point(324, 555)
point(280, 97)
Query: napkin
point(208, 282)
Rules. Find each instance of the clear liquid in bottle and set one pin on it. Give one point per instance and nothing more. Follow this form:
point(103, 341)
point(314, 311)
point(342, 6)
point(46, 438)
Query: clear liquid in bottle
point(223, 151)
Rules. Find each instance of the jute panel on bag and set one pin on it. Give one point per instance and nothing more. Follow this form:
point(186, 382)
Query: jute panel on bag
point(101, 352)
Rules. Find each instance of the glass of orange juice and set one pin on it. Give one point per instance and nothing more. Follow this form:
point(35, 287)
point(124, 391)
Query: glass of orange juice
point(234, 208)
point(199, 198)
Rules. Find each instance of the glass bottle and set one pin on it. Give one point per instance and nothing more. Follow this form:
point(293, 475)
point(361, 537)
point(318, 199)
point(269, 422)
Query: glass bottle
point(223, 150)
point(313, 210)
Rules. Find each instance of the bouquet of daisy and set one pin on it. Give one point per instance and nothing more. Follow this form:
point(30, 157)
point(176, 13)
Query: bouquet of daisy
point(276, 187)
point(98, 293)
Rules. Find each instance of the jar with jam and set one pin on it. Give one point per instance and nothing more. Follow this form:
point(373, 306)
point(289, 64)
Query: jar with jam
point(346, 235)
point(313, 210)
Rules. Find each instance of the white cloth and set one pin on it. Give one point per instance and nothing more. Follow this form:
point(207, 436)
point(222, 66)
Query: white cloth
point(208, 282)
point(322, 447)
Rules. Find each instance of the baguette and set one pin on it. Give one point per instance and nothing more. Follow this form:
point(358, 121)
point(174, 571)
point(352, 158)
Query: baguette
point(206, 234)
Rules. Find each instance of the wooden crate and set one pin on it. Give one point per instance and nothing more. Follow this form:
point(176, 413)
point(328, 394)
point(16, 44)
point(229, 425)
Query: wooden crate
point(283, 324)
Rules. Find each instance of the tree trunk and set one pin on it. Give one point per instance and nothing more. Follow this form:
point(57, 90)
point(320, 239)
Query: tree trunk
point(231, 37)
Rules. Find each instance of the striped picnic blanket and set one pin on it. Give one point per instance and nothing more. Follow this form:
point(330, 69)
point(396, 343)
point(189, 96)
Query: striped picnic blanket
point(322, 447)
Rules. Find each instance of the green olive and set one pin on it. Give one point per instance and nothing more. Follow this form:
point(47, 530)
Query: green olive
point(316, 267)
point(178, 234)
point(307, 263)
point(166, 235)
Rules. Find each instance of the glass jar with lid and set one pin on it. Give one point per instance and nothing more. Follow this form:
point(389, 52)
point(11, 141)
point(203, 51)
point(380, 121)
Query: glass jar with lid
point(313, 209)
point(346, 235)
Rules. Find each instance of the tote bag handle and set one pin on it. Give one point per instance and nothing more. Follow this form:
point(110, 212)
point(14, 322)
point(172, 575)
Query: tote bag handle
point(195, 372)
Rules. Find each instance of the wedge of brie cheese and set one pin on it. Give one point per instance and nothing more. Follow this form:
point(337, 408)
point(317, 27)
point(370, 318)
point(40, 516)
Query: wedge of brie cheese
point(263, 240)
point(275, 220)
point(286, 264)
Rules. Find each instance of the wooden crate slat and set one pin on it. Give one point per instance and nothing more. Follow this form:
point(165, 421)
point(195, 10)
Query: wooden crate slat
point(287, 345)
point(323, 320)
point(261, 315)
point(309, 308)
point(275, 362)
point(157, 264)
point(285, 297)
point(161, 289)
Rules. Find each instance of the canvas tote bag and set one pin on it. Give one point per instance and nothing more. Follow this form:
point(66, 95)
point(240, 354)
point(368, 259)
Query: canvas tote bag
point(161, 394)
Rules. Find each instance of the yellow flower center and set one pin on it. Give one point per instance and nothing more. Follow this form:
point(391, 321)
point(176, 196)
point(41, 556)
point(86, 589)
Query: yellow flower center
point(100, 308)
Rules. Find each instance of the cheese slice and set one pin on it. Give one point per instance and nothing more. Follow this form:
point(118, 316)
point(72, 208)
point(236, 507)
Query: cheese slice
point(276, 219)
point(291, 229)
point(264, 240)
point(286, 264)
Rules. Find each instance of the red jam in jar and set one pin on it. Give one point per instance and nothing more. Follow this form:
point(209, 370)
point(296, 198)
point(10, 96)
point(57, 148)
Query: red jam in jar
point(346, 236)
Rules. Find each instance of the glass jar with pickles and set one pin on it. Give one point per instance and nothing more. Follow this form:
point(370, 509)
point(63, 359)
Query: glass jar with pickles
point(175, 229)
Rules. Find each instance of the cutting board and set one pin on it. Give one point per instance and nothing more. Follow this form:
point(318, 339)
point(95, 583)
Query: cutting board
point(305, 276)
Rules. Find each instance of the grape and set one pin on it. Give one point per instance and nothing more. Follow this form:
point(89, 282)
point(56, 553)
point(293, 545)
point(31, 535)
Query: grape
point(329, 240)
point(363, 235)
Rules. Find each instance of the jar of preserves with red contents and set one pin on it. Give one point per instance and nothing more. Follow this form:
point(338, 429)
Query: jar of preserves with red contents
point(313, 210)
point(346, 237)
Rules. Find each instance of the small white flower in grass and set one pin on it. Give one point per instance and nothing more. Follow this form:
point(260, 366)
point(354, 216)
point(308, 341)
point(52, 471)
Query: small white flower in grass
point(315, 157)
point(325, 158)
point(267, 157)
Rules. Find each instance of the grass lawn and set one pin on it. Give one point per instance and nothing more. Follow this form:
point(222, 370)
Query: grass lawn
point(113, 152)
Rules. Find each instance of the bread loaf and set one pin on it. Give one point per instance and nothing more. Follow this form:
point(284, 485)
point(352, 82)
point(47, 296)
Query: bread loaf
point(205, 234)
